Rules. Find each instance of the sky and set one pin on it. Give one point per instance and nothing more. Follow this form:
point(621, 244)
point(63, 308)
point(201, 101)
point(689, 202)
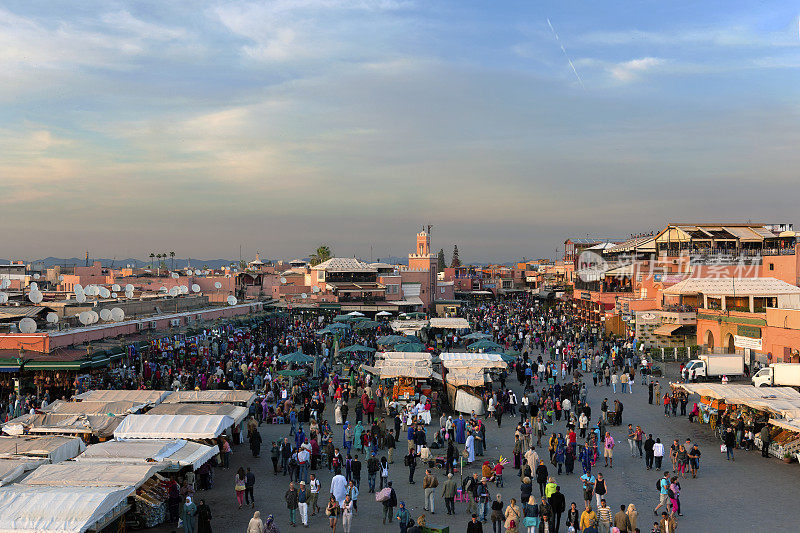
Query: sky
point(132, 127)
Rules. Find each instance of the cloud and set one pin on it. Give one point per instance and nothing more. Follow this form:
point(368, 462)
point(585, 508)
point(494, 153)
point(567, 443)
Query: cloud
point(629, 71)
point(738, 36)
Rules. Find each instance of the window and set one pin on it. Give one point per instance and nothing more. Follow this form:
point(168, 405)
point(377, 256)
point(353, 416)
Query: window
point(772, 266)
point(442, 289)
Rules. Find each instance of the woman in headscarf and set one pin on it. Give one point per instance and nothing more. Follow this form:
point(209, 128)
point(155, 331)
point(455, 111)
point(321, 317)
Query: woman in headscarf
point(187, 515)
point(357, 432)
point(255, 525)
point(203, 517)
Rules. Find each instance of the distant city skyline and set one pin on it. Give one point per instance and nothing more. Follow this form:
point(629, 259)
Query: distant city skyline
point(131, 127)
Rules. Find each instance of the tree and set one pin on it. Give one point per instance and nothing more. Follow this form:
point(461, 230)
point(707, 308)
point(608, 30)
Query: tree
point(152, 256)
point(456, 262)
point(172, 256)
point(442, 265)
point(321, 254)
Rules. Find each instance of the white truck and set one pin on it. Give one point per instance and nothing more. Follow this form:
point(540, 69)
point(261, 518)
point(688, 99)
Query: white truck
point(778, 375)
point(714, 366)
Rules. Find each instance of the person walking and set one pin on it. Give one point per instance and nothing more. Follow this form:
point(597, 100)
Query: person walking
point(730, 443)
point(347, 514)
point(249, 484)
point(352, 493)
point(403, 517)
point(429, 484)
point(633, 516)
point(541, 477)
point(497, 514)
point(631, 438)
point(302, 503)
point(483, 500)
point(239, 486)
point(663, 493)
point(694, 460)
point(608, 450)
point(474, 525)
point(203, 517)
point(389, 504)
point(449, 490)
point(291, 503)
point(255, 525)
point(188, 515)
point(573, 517)
point(600, 490)
point(622, 521)
point(658, 453)
point(332, 512)
point(604, 517)
point(411, 463)
point(558, 505)
point(513, 515)
point(588, 518)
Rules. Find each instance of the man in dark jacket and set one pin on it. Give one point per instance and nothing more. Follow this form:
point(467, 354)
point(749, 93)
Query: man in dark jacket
point(373, 465)
point(622, 521)
point(648, 451)
point(541, 477)
point(474, 526)
point(558, 505)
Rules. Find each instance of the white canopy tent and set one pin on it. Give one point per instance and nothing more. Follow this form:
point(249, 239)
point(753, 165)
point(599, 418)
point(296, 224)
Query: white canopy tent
point(27, 509)
point(173, 427)
point(237, 412)
point(87, 474)
point(53, 448)
point(150, 397)
point(173, 453)
point(449, 323)
point(237, 397)
point(13, 468)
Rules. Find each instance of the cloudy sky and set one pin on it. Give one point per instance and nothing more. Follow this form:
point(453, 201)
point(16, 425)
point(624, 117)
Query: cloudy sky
point(131, 127)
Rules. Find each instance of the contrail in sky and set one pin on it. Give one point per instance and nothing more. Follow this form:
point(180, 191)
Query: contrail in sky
point(565, 54)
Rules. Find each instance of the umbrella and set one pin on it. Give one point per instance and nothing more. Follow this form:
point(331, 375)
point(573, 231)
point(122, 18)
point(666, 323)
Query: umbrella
point(296, 357)
point(324, 331)
point(383, 313)
point(415, 314)
point(477, 336)
point(365, 324)
point(355, 313)
point(338, 325)
point(343, 318)
point(357, 348)
point(388, 340)
point(484, 345)
point(291, 373)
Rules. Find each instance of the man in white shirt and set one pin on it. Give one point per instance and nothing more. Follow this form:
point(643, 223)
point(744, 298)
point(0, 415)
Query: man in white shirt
point(658, 453)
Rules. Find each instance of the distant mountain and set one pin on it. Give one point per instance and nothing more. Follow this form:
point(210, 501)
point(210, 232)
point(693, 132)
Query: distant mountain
point(135, 263)
point(391, 260)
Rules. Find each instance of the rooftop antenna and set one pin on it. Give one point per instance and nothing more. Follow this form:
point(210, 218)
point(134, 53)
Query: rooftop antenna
point(87, 258)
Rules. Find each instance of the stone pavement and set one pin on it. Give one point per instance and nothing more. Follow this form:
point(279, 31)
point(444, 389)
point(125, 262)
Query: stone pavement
point(726, 496)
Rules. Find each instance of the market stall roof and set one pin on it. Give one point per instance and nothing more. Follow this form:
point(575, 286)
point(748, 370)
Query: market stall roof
point(477, 336)
point(100, 425)
point(296, 357)
point(13, 468)
point(237, 412)
point(81, 474)
point(449, 323)
point(737, 393)
point(54, 448)
point(172, 452)
point(791, 425)
point(388, 340)
point(470, 377)
point(138, 396)
point(389, 370)
point(784, 408)
point(237, 397)
point(357, 348)
point(737, 286)
point(26, 509)
point(477, 362)
point(484, 344)
point(173, 426)
point(411, 325)
point(62, 407)
point(404, 356)
point(667, 329)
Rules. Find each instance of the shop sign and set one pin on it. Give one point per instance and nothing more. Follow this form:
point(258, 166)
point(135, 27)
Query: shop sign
point(747, 342)
point(749, 331)
point(586, 296)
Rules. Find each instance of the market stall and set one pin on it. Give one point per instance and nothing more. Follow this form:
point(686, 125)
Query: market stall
point(190, 427)
point(465, 377)
point(237, 397)
point(149, 397)
point(13, 468)
point(408, 375)
point(172, 455)
point(52, 448)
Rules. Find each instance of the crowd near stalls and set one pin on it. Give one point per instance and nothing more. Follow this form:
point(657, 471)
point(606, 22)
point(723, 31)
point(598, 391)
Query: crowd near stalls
point(341, 388)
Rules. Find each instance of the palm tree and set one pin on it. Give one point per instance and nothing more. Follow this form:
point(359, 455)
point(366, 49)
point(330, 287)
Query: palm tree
point(158, 256)
point(152, 255)
point(172, 255)
point(321, 254)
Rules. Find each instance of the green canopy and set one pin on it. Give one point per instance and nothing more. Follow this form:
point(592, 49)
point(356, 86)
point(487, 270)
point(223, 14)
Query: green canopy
point(343, 318)
point(477, 336)
point(409, 347)
point(484, 345)
point(365, 324)
point(388, 340)
point(416, 314)
point(357, 348)
point(296, 357)
point(291, 373)
point(338, 325)
point(325, 331)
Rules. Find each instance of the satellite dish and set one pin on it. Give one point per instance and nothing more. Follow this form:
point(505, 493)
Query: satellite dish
point(80, 298)
point(105, 315)
point(218, 285)
point(36, 276)
point(314, 289)
point(174, 291)
point(195, 287)
point(175, 275)
point(89, 290)
point(27, 325)
point(184, 289)
point(85, 318)
point(95, 316)
point(116, 288)
point(232, 300)
point(61, 277)
point(197, 272)
point(113, 294)
point(117, 314)
point(52, 318)
point(283, 280)
point(4, 283)
point(78, 287)
point(34, 286)
point(35, 296)
point(304, 296)
point(128, 288)
point(104, 293)
point(129, 294)
point(163, 289)
point(3, 297)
